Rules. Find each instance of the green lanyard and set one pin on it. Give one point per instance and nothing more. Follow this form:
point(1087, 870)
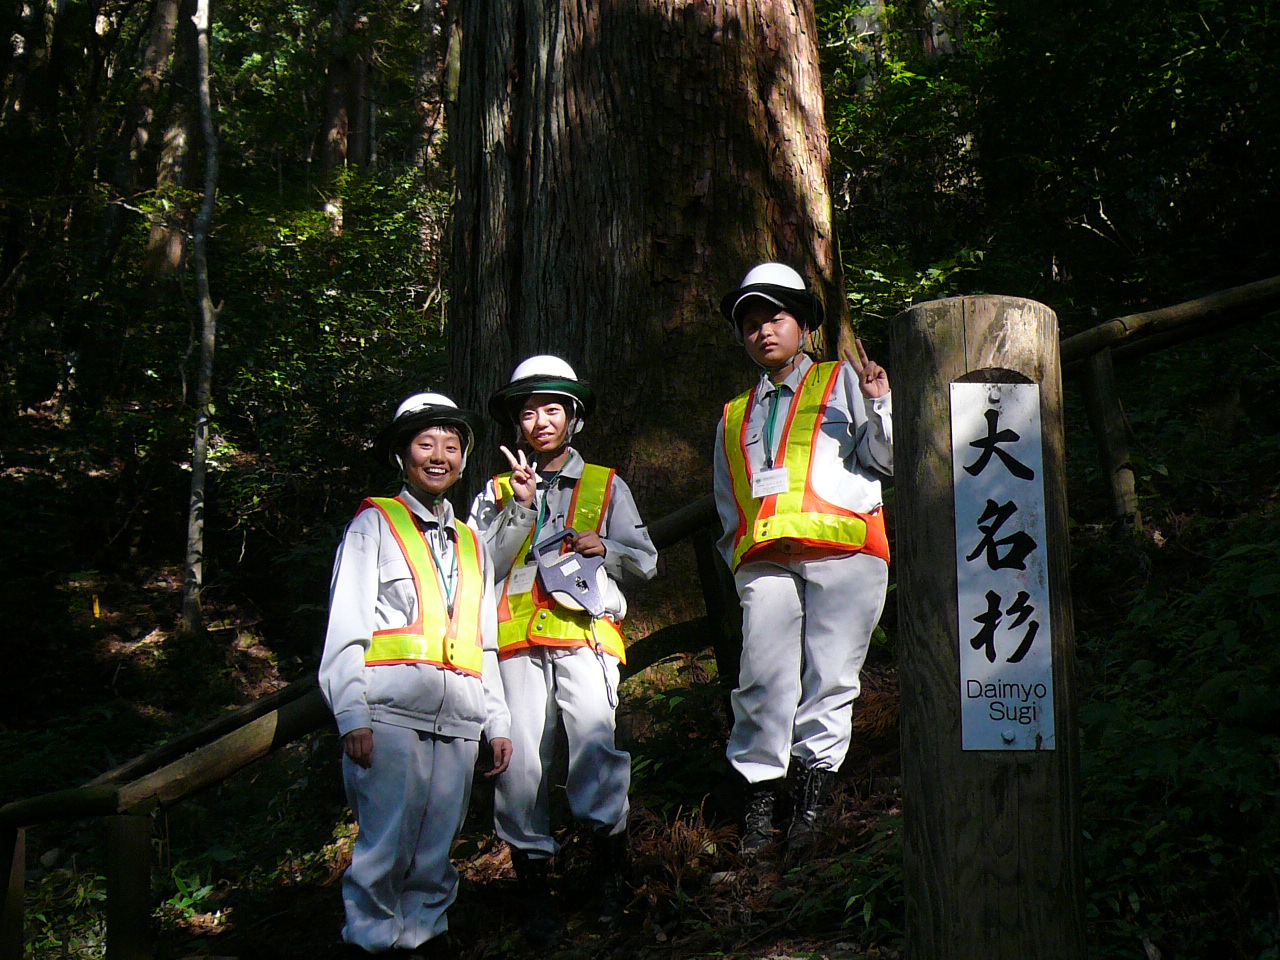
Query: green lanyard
point(769, 426)
point(447, 582)
point(544, 512)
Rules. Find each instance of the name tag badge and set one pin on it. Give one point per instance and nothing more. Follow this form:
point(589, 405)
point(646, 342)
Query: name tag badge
point(521, 579)
point(765, 483)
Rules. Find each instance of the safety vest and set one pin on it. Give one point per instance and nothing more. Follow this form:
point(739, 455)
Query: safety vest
point(449, 640)
point(797, 524)
point(534, 618)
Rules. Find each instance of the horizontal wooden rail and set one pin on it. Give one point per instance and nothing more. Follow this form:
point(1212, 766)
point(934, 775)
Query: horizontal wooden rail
point(301, 713)
point(227, 755)
point(1237, 303)
point(683, 522)
point(229, 722)
point(1090, 355)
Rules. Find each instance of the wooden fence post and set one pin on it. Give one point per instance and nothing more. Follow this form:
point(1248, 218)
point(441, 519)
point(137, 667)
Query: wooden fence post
point(1106, 417)
point(992, 843)
point(13, 841)
point(129, 904)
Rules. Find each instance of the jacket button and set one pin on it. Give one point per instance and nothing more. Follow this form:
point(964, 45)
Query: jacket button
point(542, 615)
point(537, 626)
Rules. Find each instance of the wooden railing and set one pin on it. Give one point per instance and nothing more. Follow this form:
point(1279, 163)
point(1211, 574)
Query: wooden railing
point(1090, 355)
point(128, 795)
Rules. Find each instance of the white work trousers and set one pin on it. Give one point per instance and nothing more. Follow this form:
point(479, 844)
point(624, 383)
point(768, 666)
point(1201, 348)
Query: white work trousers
point(410, 804)
point(806, 627)
point(542, 684)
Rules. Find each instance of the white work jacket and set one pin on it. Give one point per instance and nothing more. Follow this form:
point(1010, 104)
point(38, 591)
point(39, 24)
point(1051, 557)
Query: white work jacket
point(854, 447)
point(373, 589)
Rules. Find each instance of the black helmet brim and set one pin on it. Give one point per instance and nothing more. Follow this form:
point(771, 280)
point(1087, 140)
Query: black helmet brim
point(505, 400)
point(392, 439)
point(801, 304)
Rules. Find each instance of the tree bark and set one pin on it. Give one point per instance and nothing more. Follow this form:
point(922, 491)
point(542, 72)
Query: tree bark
point(619, 167)
point(360, 108)
point(336, 129)
point(429, 82)
point(192, 613)
point(142, 113)
point(28, 52)
point(167, 242)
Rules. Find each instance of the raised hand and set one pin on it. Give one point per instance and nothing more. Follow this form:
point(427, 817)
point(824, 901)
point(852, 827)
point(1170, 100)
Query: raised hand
point(872, 378)
point(524, 477)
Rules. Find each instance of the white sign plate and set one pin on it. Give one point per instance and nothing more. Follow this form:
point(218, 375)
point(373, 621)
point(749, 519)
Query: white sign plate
point(1006, 667)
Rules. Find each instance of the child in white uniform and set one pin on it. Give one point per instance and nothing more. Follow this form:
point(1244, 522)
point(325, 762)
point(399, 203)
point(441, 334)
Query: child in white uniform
point(798, 461)
point(410, 671)
point(558, 663)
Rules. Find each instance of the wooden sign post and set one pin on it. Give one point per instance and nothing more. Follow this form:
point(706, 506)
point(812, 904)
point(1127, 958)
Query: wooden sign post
point(992, 844)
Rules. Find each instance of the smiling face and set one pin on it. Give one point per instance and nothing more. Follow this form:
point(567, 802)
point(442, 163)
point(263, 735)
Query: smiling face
point(433, 459)
point(771, 334)
point(544, 422)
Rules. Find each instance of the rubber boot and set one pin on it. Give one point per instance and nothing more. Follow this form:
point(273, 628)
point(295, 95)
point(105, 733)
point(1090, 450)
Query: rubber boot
point(811, 788)
point(757, 823)
point(609, 867)
point(542, 928)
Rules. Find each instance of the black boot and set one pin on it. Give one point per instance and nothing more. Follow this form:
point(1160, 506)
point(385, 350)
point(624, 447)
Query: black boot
point(542, 928)
point(757, 823)
point(609, 866)
point(811, 788)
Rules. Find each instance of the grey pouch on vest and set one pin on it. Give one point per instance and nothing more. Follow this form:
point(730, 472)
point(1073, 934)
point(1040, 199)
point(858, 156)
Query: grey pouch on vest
point(575, 581)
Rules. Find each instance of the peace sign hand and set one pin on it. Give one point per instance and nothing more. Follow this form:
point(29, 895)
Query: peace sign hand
point(524, 477)
point(872, 378)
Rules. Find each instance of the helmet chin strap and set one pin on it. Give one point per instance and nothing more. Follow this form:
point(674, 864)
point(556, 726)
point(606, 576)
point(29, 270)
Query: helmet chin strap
point(790, 361)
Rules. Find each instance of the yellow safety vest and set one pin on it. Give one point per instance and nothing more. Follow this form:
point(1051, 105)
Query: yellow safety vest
point(534, 618)
point(448, 640)
point(797, 524)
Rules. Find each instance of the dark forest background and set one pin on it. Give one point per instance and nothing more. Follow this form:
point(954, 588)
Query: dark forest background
point(1103, 158)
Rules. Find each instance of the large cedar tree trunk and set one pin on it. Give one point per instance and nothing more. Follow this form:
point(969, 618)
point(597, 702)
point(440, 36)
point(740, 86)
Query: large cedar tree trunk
point(620, 165)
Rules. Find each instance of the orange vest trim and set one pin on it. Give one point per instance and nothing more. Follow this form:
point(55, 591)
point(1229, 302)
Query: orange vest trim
point(534, 619)
point(451, 640)
point(797, 524)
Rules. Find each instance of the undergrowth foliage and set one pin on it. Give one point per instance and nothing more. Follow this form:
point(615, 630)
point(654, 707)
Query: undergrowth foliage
point(1181, 741)
point(1180, 721)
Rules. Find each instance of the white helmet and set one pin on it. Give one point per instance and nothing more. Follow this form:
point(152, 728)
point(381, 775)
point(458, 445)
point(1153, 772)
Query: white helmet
point(542, 374)
point(782, 286)
point(423, 410)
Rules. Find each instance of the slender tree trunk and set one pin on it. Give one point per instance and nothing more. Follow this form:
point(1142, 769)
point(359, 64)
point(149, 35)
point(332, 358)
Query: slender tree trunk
point(138, 129)
point(619, 167)
point(167, 242)
point(192, 613)
point(26, 44)
point(360, 109)
point(336, 130)
point(429, 82)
